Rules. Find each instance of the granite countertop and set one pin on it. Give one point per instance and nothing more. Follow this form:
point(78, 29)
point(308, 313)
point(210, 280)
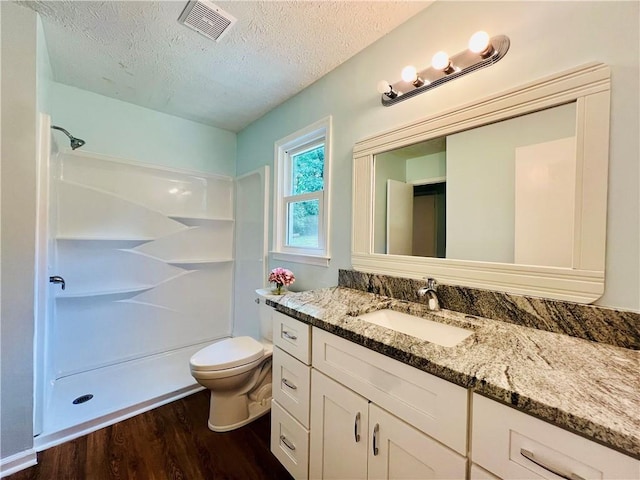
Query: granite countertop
point(589, 388)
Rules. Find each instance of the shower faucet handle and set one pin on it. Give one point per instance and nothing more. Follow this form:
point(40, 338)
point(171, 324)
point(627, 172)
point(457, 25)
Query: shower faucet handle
point(58, 279)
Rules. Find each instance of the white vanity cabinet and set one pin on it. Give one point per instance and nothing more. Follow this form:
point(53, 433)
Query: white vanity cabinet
point(342, 411)
point(374, 417)
point(291, 384)
point(513, 445)
point(356, 439)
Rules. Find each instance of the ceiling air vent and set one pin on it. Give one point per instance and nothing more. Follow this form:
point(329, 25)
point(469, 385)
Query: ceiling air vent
point(207, 19)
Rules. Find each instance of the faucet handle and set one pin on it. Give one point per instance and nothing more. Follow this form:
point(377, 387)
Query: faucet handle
point(431, 283)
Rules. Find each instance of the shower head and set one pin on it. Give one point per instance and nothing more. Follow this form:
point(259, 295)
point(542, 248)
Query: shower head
point(75, 142)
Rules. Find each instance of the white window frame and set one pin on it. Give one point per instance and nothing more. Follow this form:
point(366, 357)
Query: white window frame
point(285, 148)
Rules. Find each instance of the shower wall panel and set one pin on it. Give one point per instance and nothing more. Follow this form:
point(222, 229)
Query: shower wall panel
point(147, 256)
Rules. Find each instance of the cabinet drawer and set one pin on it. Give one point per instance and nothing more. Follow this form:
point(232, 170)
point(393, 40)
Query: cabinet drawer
point(432, 405)
point(291, 385)
point(511, 444)
point(292, 336)
point(289, 442)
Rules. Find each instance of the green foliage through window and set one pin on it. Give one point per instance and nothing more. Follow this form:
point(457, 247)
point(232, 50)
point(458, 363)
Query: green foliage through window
point(303, 224)
point(307, 172)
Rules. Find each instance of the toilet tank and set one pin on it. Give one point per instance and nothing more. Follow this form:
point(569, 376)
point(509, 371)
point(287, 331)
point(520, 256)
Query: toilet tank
point(266, 322)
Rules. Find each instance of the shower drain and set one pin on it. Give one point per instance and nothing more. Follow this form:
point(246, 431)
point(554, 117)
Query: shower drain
point(82, 399)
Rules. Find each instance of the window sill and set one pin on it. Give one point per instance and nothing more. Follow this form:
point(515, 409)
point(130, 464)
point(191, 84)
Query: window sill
point(317, 260)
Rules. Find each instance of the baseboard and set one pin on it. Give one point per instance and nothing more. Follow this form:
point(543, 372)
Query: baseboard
point(17, 462)
point(48, 440)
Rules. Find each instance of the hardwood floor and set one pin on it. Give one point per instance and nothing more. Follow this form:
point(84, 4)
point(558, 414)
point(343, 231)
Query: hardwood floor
point(170, 442)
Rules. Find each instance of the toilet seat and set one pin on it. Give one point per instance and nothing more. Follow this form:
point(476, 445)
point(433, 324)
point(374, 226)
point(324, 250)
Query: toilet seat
point(227, 354)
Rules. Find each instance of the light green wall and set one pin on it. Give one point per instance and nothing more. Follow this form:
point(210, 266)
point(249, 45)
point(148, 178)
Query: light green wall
point(546, 37)
point(120, 129)
point(481, 166)
point(18, 202)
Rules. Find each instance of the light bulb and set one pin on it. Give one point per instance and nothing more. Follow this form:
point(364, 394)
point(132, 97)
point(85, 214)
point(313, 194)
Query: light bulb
point(384, 87)
point(409, 74)
point(440, 61)
point(481, 43)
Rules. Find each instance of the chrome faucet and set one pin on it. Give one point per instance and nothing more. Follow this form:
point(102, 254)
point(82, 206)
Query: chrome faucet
point(430, 292)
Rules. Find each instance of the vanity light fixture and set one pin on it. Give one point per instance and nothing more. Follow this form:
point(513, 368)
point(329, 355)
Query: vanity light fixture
point(483, 51)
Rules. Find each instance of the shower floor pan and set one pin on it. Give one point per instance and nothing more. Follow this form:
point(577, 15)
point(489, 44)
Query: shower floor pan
point(119, 392)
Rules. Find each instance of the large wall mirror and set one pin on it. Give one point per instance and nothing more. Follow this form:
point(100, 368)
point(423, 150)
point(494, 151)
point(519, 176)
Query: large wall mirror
point(507, 193)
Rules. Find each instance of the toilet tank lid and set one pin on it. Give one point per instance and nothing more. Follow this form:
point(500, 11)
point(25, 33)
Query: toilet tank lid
point(228, 353)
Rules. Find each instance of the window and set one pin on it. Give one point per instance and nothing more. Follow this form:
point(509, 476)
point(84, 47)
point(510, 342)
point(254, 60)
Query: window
point(301, 212)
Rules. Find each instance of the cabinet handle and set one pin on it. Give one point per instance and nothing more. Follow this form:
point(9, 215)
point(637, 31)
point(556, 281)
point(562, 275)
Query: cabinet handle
point(531, 457)
point(290, 446)
point(376, 429)
point(288, 335)
point(257, 300)
point(288, 384)
point(356, 427)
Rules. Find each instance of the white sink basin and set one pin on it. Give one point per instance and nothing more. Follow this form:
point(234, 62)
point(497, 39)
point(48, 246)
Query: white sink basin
point(427, 330)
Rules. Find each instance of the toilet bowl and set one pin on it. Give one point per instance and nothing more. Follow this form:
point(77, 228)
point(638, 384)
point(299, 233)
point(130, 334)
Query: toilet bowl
point(237, 372)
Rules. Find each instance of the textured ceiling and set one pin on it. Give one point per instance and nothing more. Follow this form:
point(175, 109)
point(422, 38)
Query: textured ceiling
point(139, 53)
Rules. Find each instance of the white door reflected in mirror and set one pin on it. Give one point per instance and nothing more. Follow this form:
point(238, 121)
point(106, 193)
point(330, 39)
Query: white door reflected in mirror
point(399, 218)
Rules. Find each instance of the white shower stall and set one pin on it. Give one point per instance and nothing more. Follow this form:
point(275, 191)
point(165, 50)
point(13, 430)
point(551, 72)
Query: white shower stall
point(142, 270)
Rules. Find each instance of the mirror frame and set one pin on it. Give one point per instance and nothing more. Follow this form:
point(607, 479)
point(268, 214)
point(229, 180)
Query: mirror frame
point(590, 87)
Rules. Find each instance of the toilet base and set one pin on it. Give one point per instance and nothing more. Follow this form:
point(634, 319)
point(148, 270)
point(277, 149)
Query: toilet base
point(256, 410)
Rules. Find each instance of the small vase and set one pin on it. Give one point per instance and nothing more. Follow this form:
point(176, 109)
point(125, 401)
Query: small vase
point(279, 290)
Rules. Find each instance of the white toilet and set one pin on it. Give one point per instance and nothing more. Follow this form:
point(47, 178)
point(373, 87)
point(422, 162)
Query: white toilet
point(237, 371)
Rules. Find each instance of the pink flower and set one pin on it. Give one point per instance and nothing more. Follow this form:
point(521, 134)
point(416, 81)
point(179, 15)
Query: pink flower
point(281, 276)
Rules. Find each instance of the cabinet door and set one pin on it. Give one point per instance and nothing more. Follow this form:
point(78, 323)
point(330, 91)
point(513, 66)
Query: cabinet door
point(398, 451)
point(339, 421)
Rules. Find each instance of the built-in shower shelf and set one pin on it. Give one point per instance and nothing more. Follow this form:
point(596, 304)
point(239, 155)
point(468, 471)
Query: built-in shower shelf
point(198, 261)
point(126, 241)
point(114, 291)
point(198, 218)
